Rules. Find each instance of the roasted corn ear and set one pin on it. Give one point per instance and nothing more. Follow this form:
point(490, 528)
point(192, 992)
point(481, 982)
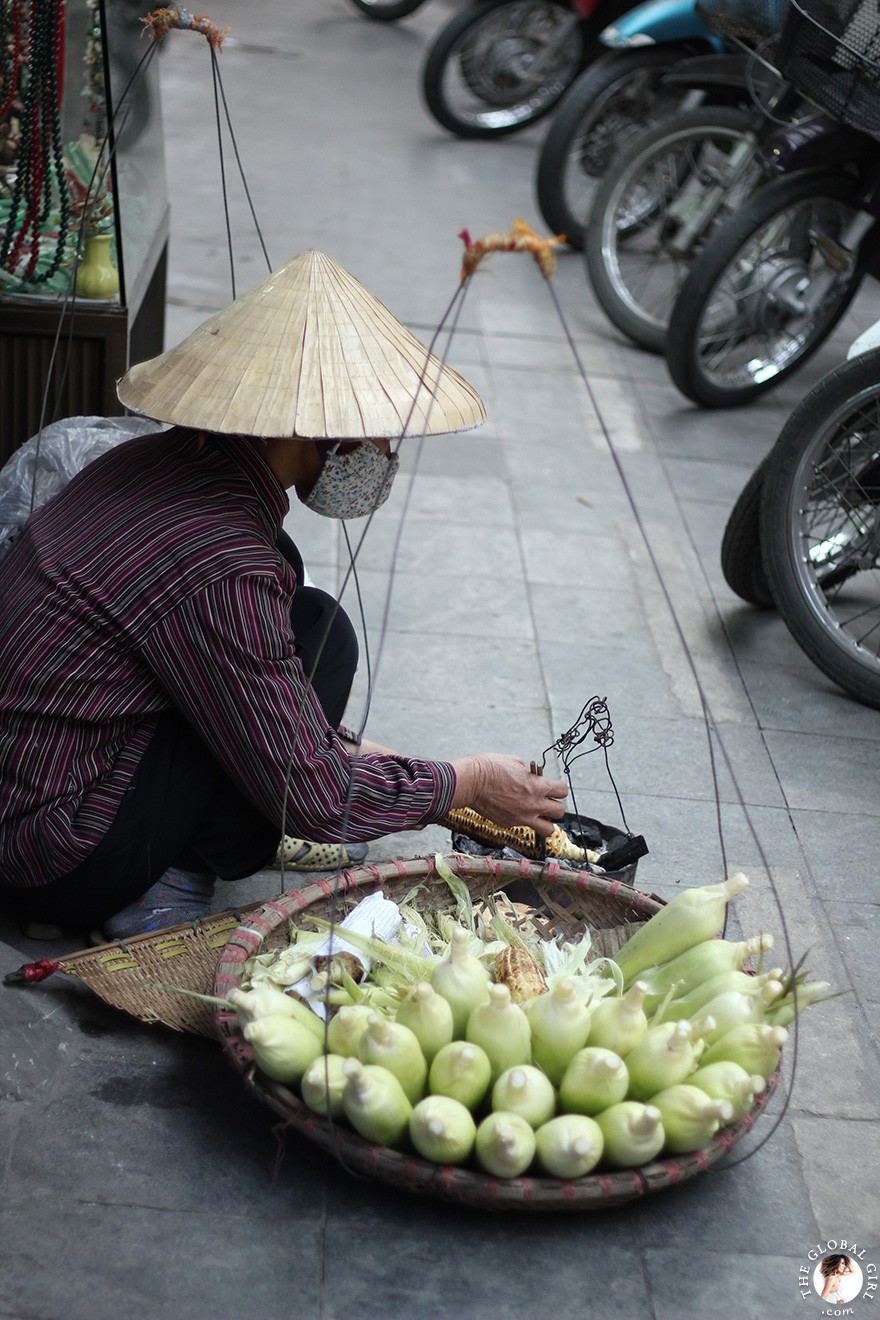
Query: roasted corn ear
point(522, 838)
point(519, 971)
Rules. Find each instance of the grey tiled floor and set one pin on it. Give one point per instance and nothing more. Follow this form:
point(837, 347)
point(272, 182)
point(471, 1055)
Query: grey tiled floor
point(136, 1177)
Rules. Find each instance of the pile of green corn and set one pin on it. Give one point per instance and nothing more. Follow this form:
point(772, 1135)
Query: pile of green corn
point(520, 1058)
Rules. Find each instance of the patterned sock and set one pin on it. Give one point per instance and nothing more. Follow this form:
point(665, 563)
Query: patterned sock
point(178, 896)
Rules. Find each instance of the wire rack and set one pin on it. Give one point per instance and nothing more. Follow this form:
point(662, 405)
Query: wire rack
point(831, 52)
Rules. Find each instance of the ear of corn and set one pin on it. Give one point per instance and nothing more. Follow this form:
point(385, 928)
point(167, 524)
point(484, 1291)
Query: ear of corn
point(690, 917)
point(519, 971)
point(464, 820)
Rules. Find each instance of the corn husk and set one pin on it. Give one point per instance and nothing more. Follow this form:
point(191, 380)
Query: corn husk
point(526, 1091)
point(569, 1146)
point(442, 1130)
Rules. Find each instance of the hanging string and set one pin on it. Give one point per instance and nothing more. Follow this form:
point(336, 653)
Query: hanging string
point(218, 86)
point(336, 884)
point(711, 730)
point(215, 77)
point(521, 238)
point(351, 570)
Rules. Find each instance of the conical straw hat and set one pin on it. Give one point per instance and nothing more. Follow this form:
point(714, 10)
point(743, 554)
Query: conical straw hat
point(309, 352)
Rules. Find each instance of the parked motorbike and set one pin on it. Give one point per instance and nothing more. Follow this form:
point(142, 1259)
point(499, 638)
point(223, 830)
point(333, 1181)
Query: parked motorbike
point(499, 65)
point(742, 558)
point(772, 283)
point(804, 534)
point(676, 182)
point(616, 95)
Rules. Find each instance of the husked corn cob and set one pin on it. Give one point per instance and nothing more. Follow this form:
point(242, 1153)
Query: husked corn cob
point(558, 844)
point(518, 970)
point(521, 837)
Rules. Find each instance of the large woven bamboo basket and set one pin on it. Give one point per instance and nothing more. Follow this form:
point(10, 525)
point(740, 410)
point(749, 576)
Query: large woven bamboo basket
point(562, 901)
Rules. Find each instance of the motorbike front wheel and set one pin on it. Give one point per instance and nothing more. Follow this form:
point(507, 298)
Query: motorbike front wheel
point(387, 11)
point(820, 526)
point(740, 326)
point(654, 211)
point(499, 65)
point(607, 103)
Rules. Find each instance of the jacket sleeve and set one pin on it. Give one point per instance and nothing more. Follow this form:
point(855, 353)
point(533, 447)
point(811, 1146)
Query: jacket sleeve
point(226, 659)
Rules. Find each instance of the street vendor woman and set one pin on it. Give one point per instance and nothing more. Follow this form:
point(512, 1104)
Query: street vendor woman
point(171, 693)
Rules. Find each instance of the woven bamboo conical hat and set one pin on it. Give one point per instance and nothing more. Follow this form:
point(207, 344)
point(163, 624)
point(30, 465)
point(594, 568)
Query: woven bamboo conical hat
point(309, 352)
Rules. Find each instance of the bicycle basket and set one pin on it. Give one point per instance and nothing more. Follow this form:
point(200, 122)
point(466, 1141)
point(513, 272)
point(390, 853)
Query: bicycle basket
point(830, 50)
point(747, 21)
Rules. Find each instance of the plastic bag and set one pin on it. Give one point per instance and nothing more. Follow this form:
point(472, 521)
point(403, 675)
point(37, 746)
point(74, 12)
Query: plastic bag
point(42, 466)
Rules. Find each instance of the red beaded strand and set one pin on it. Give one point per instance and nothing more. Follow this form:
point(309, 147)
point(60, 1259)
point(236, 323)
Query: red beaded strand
point(40, 163)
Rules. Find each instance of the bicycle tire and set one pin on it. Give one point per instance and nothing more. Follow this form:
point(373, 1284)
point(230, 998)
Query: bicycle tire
point(742, 559)
point(493, 117)
point(637, 289)
point(725, 304)
point(607, 86)
point(822, 590)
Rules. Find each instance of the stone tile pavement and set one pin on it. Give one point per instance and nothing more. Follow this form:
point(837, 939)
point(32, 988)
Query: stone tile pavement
point(136, 1177)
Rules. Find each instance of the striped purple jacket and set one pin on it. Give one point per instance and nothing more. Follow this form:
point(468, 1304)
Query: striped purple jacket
point(152, 581)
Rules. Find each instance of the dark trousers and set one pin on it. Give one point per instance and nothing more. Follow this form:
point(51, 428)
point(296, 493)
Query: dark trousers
point(181, 808)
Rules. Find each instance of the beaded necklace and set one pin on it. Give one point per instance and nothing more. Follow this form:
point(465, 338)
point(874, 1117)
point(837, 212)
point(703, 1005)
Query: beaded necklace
point(40, 163)
point(10, 53)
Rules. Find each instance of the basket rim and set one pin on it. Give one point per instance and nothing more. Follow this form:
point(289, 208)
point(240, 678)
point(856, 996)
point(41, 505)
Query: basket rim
point(411, 1172)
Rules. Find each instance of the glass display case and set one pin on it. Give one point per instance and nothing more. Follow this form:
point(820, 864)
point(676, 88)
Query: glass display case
point(83, 208)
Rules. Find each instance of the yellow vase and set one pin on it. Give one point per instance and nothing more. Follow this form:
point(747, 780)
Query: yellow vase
point(96, 276)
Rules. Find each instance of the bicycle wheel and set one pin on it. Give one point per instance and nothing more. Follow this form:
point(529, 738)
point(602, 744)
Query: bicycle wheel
point(499, 65)
point(742, 559)
point(654, 212)
point(607, 103)
point(820, 526)
point(739, 325)
point(386, 11)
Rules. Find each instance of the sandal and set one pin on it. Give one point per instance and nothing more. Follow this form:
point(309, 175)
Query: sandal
point(300, 855)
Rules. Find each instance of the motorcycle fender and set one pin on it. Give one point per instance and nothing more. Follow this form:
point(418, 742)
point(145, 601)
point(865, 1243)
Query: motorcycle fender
point(810, 145)
point(658, 21)
point(706, 71)
point(866, 342)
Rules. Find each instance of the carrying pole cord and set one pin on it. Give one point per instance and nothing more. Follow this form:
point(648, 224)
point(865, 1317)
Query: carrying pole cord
point(710, 725)
point(215, 78)
point(218, 87)
point(453, 310)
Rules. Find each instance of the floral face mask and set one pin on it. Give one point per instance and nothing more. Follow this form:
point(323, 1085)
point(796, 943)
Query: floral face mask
point(354, 484)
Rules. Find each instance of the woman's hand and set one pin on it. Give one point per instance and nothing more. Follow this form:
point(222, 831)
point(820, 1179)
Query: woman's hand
point(503, 789)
